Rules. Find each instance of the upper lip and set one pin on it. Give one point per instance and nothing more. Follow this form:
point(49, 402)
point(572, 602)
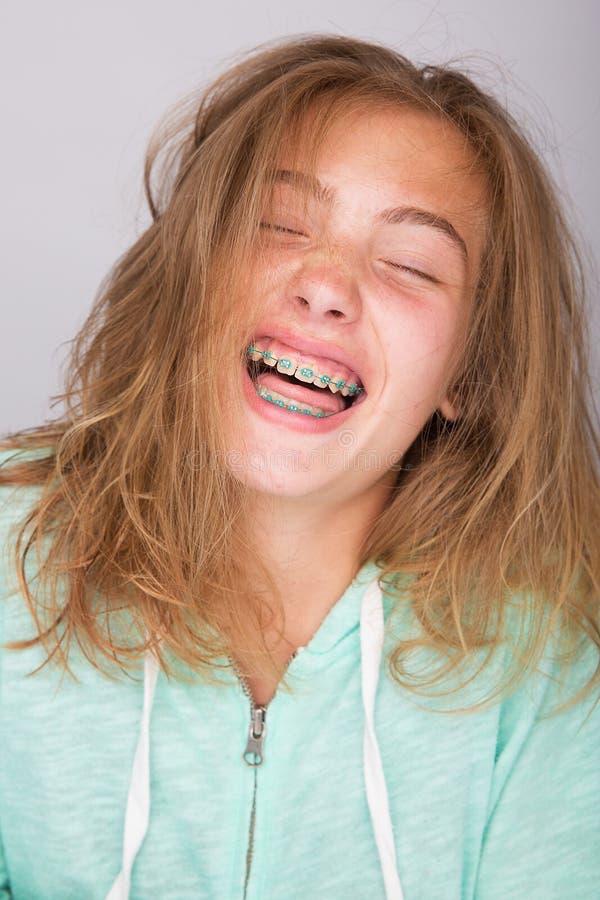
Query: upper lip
point(312, 346)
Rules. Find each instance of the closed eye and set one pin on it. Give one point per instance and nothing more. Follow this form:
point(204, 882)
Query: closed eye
point(411, 271)
point(282, 229)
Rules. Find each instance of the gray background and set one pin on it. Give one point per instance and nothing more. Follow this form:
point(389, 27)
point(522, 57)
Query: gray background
point(84, 83)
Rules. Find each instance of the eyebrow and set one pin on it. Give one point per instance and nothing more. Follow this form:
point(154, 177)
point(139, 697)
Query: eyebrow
point(304, 182)
point(416, 216)
point(396, 215)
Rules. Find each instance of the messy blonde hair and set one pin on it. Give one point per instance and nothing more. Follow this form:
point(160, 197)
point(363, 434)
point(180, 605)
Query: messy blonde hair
point(149, 526)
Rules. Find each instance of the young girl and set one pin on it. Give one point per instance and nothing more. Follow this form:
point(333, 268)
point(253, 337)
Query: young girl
point(300, 596)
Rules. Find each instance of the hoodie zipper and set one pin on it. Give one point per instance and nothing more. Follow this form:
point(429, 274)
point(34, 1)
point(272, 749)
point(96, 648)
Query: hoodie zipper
point(253, 755)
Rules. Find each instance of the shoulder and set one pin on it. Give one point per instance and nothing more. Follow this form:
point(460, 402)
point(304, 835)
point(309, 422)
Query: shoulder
point(16, 498)
point(567, 657)
point(527, 669)
point(543, 797)
point(28, 617)
point(16, 503)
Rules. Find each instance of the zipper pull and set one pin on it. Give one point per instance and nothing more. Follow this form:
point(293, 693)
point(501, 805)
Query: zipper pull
point(253, 754)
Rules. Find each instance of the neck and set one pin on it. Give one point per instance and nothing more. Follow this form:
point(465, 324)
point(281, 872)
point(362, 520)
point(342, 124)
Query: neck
point(313, 551)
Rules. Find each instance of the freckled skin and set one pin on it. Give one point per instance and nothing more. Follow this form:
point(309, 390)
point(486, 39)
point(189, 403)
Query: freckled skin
point(338, 273)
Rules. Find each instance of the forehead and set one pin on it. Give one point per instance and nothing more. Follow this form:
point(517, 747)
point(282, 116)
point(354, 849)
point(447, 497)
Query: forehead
point(394, 154)
point(408, 142)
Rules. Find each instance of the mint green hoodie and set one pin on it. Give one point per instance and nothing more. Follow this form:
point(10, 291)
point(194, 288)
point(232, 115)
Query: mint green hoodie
point(139, 788)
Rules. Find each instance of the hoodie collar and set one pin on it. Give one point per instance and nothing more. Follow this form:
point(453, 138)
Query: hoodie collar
point(361, 606)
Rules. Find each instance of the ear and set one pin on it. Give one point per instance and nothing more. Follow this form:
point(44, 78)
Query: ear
point(448, 409)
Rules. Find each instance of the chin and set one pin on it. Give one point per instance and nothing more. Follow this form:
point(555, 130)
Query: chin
point(322, 475)
point(280, 474)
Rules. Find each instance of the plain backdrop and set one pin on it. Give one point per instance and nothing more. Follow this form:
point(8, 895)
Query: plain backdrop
point(83, 84)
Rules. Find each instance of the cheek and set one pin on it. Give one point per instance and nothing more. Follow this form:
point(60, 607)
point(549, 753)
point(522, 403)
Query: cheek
point(271, 276)
point(420, 347)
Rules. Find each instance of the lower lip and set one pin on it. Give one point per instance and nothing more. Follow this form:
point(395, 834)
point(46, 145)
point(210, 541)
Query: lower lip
point(295, 421)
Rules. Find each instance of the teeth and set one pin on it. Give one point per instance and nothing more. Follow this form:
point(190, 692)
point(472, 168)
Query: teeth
point(287, 365)
point(322, 380)
point(336, 383)
point(292, 406)
point(308, 372)
point(305, 373)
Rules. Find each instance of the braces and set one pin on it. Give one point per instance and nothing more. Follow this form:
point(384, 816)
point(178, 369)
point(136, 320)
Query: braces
point(291, 407)
point(308, 373)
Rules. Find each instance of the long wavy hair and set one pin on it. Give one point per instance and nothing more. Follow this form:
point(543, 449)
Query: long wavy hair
point(148, 532)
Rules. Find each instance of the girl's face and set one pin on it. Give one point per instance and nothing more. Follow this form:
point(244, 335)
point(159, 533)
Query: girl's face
point(364, 276)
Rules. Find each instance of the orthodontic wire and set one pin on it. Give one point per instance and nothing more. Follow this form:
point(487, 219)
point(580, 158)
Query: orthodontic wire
point(325, 379)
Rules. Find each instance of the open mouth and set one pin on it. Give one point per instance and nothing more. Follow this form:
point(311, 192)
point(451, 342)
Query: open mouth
point(300, 386)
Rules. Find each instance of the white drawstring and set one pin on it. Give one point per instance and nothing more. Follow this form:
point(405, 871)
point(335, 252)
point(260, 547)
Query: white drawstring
point(138, 799)
point(137, 814)
point(371, 646)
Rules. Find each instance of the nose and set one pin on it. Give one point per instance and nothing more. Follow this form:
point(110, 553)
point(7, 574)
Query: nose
point(325, 290)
